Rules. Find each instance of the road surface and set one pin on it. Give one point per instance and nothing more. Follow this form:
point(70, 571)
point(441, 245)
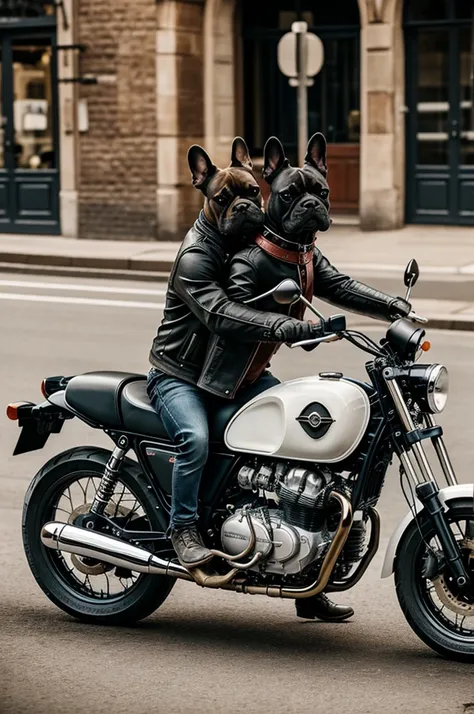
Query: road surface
point(203, 651)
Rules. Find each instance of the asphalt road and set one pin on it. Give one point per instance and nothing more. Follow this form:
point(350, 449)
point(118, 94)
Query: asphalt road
point(202, 651)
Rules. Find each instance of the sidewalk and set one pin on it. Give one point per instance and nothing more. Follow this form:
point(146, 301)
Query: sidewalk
point(445, 255)
point(440, 250)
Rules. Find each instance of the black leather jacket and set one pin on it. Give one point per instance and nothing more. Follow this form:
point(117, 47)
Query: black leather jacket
point(197, 308)
point(252, 272)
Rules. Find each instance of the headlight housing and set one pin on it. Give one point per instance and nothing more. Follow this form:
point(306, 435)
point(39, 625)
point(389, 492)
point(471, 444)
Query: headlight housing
point(430, 386)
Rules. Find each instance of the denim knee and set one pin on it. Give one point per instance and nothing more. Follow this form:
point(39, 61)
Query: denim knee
point(195, 445)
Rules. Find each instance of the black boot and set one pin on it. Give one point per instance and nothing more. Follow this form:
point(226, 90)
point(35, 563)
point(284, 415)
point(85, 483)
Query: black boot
point(321, 607)
point(189, 546)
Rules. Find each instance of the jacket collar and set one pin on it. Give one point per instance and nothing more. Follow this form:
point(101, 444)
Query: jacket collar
point(207, 228)
point(305, 243)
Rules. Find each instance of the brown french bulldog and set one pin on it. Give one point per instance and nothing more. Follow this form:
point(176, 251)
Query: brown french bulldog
point(233, 202)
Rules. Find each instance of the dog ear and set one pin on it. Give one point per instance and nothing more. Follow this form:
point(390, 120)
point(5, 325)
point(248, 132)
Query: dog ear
point(316, 153)
point(275, 159)
point(240, 154)
point(201, 167)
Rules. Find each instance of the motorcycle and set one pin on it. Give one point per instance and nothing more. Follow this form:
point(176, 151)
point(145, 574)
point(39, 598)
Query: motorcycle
point(288, 496)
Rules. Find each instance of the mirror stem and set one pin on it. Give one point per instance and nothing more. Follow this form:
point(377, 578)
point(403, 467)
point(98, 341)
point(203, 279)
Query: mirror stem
point(312, 308)
point(407, 296)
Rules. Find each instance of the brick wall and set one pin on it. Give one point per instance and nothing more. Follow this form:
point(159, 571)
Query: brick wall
point(117, 155)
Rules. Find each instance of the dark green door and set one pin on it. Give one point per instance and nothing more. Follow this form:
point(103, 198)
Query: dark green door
point(29, 168)
point(440, 120)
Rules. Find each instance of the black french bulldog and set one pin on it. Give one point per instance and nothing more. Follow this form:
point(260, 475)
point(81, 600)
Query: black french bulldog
point(233, 201)
point(298, 205)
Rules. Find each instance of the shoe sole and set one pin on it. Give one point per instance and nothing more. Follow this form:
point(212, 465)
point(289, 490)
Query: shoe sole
point(196, 563)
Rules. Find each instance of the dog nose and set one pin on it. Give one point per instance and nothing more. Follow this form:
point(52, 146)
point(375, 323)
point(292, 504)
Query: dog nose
point(308, 202)
point(240, 207)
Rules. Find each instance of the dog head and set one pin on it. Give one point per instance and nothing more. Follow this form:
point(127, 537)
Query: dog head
point(299, 197)
point(233, 200)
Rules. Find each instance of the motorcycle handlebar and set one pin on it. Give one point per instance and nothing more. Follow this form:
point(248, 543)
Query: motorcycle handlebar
point(417, 318)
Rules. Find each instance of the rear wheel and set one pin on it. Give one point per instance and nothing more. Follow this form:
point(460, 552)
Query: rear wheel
point(440, 614)
point(87, 589)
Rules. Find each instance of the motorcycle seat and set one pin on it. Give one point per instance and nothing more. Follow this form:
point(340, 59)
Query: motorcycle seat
point(119, 400)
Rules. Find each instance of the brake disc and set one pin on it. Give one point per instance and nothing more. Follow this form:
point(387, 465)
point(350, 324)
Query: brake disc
point(444, 593)
point(90, 566)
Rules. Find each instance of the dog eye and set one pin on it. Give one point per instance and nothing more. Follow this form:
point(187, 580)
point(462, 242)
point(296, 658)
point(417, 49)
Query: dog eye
point(324, 193)
point(221, 200)
point(254, 191)
point(285, 196)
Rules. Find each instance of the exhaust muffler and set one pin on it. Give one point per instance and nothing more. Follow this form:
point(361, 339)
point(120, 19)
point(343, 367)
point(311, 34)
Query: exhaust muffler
point(90, 544)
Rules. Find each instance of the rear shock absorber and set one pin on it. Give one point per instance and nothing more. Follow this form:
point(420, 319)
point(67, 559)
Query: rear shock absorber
point(109, 480)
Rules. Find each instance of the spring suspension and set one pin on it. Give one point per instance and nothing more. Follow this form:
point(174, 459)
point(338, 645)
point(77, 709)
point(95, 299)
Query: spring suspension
point(108, 481)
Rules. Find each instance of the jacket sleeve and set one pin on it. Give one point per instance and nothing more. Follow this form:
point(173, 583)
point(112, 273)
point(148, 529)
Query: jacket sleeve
point(196, 282)
point(352, 295)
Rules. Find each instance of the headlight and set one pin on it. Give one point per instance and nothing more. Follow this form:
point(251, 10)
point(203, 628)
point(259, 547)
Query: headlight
point(437, 388)
point(428, 384)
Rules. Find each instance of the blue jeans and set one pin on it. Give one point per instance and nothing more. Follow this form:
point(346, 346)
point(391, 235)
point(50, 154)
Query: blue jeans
point(184, 409)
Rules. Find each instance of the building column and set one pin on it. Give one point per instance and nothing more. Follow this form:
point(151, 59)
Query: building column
point(180, 111)
point(67, 100)
point(382, 163)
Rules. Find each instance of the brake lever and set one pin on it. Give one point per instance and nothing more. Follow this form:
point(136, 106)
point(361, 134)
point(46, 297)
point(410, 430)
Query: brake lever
point(316, 341)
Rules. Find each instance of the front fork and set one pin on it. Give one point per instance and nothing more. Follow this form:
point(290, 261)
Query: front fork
point(426, 487)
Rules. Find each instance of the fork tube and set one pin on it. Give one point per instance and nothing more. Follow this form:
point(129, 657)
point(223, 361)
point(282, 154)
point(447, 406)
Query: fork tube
point(442, 453)
point(407, 422)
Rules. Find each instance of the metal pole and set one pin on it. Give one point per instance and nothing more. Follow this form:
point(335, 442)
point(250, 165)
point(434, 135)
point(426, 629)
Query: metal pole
point(301, 28)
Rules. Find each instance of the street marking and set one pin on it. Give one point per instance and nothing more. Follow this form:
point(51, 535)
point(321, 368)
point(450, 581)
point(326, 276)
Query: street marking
point(81, 301)
point(80, 288)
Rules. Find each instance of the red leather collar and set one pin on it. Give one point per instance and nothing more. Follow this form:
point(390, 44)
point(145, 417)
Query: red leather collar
point(287, 256)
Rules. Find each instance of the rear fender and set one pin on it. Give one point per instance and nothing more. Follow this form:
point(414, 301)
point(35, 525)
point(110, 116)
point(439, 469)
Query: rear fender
point(450, 493)
point(37, 422)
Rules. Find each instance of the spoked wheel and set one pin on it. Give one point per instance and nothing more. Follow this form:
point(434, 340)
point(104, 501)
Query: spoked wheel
point(437, 610)
point(84, 587)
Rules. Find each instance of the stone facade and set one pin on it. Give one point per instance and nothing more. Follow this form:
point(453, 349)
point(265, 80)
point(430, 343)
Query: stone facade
point(169, 75)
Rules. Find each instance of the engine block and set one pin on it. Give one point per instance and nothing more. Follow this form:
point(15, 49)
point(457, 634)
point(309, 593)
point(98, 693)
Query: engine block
point(286, 549)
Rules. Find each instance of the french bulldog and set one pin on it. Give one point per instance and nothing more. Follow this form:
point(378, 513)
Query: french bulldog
point(233, 202)
point(298, 205)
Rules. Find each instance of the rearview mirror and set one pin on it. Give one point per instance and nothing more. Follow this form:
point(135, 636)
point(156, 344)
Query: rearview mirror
point(412, 273)
point(287, 292)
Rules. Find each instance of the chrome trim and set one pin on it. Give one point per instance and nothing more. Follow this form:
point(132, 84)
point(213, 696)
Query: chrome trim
point(408, 468)
point(432, 378)
point(409, 425)
point(442, 453)
point(90, 544)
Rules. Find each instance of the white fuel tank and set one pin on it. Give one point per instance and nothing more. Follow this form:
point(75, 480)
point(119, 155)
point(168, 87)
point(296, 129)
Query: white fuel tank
point(310, 419)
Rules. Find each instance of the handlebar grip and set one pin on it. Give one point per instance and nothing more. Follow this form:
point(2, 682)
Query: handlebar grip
point(335, 323)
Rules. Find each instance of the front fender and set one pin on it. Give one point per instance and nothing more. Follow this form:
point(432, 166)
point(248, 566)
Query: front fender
point(463, 490)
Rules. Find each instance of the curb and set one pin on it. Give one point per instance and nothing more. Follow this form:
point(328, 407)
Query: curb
point(89, 262)
point(82, 272)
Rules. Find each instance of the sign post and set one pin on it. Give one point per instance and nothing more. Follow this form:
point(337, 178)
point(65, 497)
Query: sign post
point(300, 57)
point(301, 29)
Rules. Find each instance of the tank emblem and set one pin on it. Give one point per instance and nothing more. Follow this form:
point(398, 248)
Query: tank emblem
point(315, 420)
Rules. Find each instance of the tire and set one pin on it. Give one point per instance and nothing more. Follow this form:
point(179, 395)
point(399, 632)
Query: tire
point(417, 605)
point(50, 569)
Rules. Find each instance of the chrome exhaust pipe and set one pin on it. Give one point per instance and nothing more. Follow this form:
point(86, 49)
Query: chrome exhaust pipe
point(90, 544)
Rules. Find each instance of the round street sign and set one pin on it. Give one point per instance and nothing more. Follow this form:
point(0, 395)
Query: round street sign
point(287, 54)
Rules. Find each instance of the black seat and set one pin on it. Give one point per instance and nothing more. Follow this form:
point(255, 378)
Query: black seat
point(137, 413)
point(119, 400)
point(96, 396)
point(139, 416)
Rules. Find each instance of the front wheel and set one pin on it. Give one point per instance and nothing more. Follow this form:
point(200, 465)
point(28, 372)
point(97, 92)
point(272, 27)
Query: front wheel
point(441, 615)
point(87, 589)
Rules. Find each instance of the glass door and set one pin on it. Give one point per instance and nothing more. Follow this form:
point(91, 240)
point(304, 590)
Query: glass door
point(440, 129)
point(29, 177)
